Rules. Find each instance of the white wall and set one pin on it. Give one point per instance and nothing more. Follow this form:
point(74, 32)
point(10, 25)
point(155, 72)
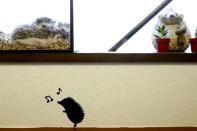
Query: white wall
point(112, 95)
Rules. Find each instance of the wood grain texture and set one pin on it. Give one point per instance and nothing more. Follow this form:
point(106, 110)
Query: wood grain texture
point(96, 57)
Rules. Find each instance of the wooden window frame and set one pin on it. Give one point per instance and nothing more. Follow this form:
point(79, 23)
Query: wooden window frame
point(97, 57)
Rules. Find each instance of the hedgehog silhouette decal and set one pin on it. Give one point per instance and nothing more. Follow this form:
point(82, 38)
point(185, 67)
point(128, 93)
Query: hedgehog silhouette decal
point(73, 110)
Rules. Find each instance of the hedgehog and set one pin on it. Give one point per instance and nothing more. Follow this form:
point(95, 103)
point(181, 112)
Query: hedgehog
point(64, 30)
point(28, 31)
point(40, 33)
point(40, 28)
point(44, 23)
point(29, 35)
point(73, 110)
point(2, 36)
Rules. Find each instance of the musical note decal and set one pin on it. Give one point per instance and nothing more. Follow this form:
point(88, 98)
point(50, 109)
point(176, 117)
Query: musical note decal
point(59, 91)
point(49, 99)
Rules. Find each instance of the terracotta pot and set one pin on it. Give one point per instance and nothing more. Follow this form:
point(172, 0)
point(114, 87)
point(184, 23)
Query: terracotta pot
point(193, 43)
point(163, 45)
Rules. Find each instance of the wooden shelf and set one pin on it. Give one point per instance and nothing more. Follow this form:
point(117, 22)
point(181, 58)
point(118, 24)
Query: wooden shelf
point(96, 57)
point(103, 129)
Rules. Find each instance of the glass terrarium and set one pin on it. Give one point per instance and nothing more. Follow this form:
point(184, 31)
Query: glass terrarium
point(36, 25)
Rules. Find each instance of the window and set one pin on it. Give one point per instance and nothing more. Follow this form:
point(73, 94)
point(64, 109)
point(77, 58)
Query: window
point(35, 24)
point(18, 12)
point(99, 24)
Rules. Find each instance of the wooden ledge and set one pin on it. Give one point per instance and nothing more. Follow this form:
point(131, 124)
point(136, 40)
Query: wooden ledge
point(96, 57)
point(102, 129)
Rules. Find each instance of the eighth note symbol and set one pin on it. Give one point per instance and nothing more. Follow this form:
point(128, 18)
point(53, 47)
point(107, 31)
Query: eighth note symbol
point(60, 90)
point(49, 99)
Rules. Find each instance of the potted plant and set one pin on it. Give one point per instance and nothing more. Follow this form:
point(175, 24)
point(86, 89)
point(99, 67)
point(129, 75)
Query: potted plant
point(193, 42)
point(162, 41)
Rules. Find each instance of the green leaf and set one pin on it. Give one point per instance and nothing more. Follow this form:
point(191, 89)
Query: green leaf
point(159, 30)
point(157, 36)
point(165, 33)
point(163, 28)
point(162, 31)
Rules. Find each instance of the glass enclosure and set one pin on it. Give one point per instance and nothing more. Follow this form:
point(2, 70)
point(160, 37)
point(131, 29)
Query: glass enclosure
point(35, 25)
point(100, 24)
